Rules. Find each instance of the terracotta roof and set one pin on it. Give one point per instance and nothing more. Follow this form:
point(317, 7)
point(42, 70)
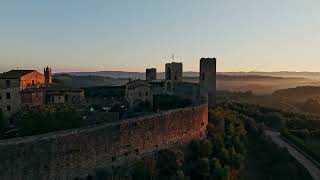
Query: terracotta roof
point(15, 74)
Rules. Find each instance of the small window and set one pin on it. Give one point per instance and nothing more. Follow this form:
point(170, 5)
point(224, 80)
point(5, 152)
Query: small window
point(8, 108)
point(33, 83)
point(140, 94)
point(7, 83)
point(8, 95)
point(147, 94)
point(0, 97)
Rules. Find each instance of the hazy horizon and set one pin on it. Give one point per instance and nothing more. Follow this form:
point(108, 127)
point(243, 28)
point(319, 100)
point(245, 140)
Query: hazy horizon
point(78, 35)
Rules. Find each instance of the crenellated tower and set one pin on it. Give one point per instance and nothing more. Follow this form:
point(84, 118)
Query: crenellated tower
point(208, 79)
point(151, 74)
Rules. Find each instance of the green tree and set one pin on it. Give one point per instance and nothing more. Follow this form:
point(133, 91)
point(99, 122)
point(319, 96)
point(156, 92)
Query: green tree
point(199, 149)
point(167, 164)
point(201, 169)
point(145, 169)
point(221, 173)
point(37, 121)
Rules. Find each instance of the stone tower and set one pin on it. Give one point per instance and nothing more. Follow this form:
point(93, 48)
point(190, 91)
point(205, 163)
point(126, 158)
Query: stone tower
point(173, 71)
point(151, 74)
point(47, 75)
point(208, 79)
point(173, 74)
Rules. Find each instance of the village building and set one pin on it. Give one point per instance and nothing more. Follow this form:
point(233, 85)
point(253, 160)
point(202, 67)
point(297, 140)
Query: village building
point(139, 93)
point(29, 88)
point(12, 83)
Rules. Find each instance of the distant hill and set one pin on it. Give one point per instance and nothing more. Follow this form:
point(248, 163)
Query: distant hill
point(191, 74)
point(127, 75)
point(87, 80)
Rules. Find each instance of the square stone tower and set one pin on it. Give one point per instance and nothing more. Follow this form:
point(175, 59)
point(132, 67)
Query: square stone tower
point(173, 72)
point(208, 79)
point(151, 74)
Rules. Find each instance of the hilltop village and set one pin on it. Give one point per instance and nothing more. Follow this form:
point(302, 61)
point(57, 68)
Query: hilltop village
point(29, 89)
point(151, 115)
point(144, 129)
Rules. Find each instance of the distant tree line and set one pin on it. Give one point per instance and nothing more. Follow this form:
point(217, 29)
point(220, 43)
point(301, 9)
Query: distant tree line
point(275, 118)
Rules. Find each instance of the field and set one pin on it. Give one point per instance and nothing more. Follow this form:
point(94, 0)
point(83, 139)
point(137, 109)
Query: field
point(314, 144)
point(259, 85)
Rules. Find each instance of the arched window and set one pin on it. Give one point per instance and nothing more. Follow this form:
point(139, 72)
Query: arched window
point(168, 73)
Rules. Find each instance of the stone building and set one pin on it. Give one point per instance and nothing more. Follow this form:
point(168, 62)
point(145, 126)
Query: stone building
point(64, 95)
point(29, 88)
point(207, 79)
point(32, 97)
point(151, 74)
point(51, 95)
point(187, 90)
point(139, 92)
point(12, 83)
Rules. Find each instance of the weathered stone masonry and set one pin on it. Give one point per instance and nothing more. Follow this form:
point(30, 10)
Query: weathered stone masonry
point(68, 154)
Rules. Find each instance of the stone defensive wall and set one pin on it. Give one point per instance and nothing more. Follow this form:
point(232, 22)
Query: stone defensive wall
point(73, 153)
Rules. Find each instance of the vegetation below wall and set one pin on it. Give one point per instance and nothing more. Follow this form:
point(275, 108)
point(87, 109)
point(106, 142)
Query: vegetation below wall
point(38, 121)
point(221, 156)
point(235, 148)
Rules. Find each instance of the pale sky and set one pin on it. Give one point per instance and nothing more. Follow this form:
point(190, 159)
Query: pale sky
point(131, 35)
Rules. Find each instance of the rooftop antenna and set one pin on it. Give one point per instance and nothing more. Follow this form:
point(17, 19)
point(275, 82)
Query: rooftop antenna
point(173, 57)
